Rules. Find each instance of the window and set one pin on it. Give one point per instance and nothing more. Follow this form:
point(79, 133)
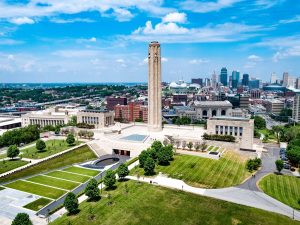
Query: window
point(214, 112)
point(223, 112)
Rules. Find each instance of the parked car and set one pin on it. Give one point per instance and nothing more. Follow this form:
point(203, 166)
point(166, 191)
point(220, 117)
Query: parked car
point(286, 166)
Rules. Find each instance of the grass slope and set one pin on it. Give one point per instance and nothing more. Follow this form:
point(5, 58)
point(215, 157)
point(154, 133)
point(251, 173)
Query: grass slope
point(52, 147)
point(8, 165)
point(228, 171)
point(37, 204)
point(153, 205)
point(83, 171)
point(36, 189)
point(68, 176)
point(282, 187)
point(51, 181)
point(76, 156)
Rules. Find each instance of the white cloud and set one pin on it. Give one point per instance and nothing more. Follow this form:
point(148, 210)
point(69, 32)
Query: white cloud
point(174, 33)
point(255, 58)
point(122, 10)
point(175, 17)
point(75, 53)
point(163, 59)
point(120, 60)
point(207, 6)
point(265, 4)
point(22, 20)
point(73, 20)
point(198, 61)
point(295, 19)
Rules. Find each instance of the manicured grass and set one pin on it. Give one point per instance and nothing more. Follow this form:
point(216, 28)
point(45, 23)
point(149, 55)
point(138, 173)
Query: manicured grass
point(52, 147)
point(2, 188)
point(210, 148)
point(146, 204)
point(68, 176)
point(8, 165)
point(3, 156)
point(54, 182)
point(282, 187)
point(83, 171)
point(37, 204)
point(228, 171)
point(76, 156)
point(36, 189)
point(215, 149)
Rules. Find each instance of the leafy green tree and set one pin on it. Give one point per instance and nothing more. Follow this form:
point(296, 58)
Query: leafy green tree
point(71, 203)
point(190, 145)
point(277, 131)
point(70, 139)
point(123, 171)
point(40, 145)
point(169, 150)
point(90, 134)
point(149, 166)
point(279, 165)
point(259, 122)
point(142, 157)
point(162, 157)
point(13, 151)
point(21, 219)
point(57, 130)
point(156, 145)
point(92, 190)
point(109, 179)
point(293, 155)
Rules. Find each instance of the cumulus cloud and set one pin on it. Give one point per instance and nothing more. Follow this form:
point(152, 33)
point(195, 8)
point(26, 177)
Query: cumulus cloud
point(255, 58)
point(22, 20)
point(175, 17)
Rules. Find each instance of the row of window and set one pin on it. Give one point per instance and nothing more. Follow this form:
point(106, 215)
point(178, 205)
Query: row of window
point(46, 122)
point(90, 120)
point(229, 130)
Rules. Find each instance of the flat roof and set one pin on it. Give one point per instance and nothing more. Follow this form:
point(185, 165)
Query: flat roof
point(213, 103)
point(229, 118)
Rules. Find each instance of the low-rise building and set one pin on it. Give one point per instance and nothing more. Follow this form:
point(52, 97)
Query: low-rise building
point(131, 112)
point(241, 128)
point(9, 122)
point(98, 118)
point(208, 109)
point(273, 106)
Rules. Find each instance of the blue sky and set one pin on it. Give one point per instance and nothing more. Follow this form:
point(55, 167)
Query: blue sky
point(106, 40)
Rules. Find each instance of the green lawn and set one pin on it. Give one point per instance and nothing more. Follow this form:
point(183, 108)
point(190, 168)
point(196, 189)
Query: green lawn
point(153, 205)
point(2, 188)
point(36, 189)
point(52, 147)
point(8, 165)
point(210, 148)
point(54, 182)
point(228, 171)
point(282, 187)
point(76, 156)
point(216, 149)
point(68, 176)
point(37, 204)
point(83, 171)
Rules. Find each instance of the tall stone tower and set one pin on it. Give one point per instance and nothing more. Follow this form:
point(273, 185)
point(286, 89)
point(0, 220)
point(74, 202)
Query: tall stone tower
point(154, 87)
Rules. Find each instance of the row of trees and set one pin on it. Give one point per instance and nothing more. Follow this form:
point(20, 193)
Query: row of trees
point(92, 190)
point(21, 135)
point(157, 153)
point(86, 134)
point(217, 137)
point(253, 164)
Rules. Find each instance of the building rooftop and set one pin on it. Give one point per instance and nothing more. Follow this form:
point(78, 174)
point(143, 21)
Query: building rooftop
point(229, 118)
point(274, 101)
point(212, 103)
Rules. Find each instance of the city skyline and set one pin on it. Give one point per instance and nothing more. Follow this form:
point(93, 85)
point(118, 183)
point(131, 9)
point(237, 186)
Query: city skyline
point(49, 41)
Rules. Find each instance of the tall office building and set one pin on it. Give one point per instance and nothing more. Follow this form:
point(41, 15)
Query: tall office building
point(285, 79)
point(273, 78)
point(298, 83)
point(214, 80)
point(245, 80)
point(296, 108)
point(223, 76)
point(235, 78)
point(154, 87)
point(197, 81)
point(254, 84)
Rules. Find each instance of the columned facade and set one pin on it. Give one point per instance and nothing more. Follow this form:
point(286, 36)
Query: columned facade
point(154, 87)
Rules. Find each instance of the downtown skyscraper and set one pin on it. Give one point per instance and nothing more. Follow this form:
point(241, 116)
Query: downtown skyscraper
point(223, 76)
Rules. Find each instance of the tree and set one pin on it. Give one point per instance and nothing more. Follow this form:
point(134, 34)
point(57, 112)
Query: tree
point(40, 145)
point(259, 122)
point(293, 155)
point(183, 144)
point(57, 130)
point(90, 134)
point(190, 145)
point(109, 179)
point(149, 166)
point(21, 219)
point(123, 171)
point(142, 157)
point(71, 203)
point(13, 151)
point(277, 130)
point(169, 150)
point(162, 157)
point(70, 139)
point(203, 146)
point(156, 145)
point(279, 165)
point(197, 146)
point(92, 190)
